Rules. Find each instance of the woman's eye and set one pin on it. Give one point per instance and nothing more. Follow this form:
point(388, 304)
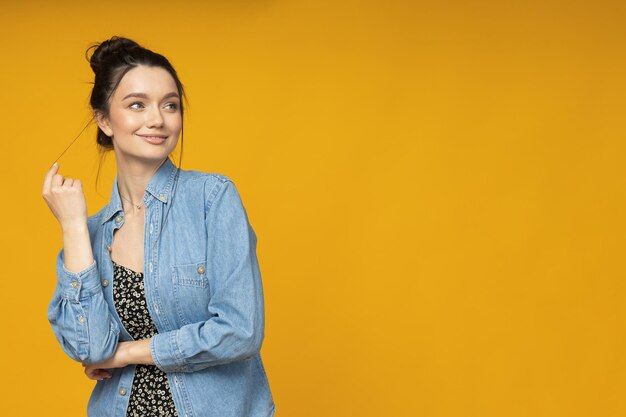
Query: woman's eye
point(172, 106)
point(136, 105)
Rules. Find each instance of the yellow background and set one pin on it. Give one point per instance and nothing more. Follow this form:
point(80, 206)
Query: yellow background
point(437, 189)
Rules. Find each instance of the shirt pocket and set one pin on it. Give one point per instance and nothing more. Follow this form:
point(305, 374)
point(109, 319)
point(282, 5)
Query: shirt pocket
point(191, 291)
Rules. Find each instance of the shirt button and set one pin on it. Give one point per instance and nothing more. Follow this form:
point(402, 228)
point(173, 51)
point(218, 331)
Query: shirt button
point(109, 248)
point(118, 219)
point(162, 197)
point(105, 282)
point(81, 319)
point(75, 284)
point(150, 266)
point(201, 269)
point(122, 391)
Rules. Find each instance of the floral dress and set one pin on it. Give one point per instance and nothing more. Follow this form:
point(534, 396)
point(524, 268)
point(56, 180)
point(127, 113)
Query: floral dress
point(150, 394)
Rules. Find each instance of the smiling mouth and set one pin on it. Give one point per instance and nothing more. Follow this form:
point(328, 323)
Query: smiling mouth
point(154, 139)
point(153, 136)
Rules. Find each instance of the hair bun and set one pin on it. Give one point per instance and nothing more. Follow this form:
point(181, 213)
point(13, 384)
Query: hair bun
point(114, 48)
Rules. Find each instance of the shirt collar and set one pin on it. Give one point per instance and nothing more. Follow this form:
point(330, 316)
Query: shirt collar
point(159, 187)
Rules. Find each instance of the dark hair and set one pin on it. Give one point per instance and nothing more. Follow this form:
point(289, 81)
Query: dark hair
point(110, 61)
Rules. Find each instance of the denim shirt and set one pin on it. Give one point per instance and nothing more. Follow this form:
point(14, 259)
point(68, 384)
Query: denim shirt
point(203, 291)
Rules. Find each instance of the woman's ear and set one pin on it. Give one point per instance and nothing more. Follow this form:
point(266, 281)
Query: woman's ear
point(103, 122)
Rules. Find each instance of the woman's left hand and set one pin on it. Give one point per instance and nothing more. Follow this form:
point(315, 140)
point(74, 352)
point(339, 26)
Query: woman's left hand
point(99, 371)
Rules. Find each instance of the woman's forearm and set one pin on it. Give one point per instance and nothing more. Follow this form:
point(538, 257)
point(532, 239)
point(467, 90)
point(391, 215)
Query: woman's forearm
point(138, 352)
point(127, 353)
point(78, 254)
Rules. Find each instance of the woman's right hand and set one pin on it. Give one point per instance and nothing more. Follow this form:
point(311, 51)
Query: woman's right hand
point(65, 198)
point(97, 374)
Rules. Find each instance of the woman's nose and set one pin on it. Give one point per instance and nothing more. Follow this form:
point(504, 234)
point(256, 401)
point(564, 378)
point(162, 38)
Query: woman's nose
point(155, 119)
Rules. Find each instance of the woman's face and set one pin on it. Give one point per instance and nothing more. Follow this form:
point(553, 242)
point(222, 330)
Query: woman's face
point(144, 119)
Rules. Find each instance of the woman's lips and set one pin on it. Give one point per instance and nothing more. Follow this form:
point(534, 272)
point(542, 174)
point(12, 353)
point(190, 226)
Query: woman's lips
point(155, 140)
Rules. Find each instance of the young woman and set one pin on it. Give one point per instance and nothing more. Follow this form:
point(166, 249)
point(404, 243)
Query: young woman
point(159, 293)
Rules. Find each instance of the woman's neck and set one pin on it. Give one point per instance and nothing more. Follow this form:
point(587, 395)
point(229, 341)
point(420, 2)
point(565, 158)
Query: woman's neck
point(132, 180)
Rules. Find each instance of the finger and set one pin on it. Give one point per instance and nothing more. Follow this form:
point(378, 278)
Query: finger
point(91, 373)
point(57, 180)
point(98, 374)
point(68, 182)
point(48, 178)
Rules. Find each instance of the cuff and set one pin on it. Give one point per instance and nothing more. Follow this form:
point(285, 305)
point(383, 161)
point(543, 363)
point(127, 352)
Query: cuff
point(166, 353)
point(78, 285)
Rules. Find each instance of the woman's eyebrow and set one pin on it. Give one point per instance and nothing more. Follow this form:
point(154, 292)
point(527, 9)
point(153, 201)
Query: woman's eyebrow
point(144, 95)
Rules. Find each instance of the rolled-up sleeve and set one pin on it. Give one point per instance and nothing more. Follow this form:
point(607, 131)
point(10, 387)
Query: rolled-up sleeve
point(79, 315)
point(235, 329)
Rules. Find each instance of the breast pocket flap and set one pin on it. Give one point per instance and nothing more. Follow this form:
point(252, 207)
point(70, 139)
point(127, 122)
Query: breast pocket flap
point(192, 274)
